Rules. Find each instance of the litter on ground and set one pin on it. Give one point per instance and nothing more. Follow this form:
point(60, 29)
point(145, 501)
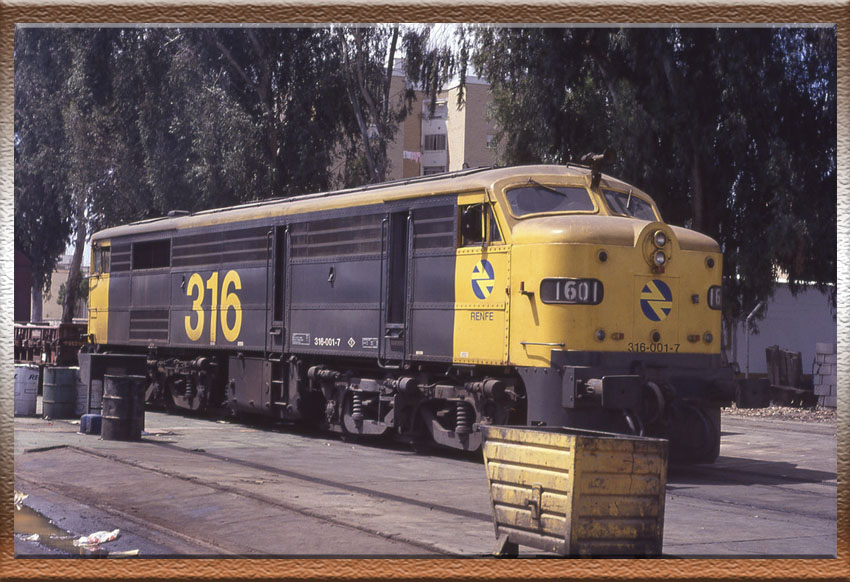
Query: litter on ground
point(98, 537)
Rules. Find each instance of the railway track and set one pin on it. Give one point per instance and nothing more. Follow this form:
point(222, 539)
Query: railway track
point(199, 488)
point(241, 493)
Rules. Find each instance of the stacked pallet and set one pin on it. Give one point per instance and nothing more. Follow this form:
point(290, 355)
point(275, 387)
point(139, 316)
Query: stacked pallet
point(788, 387)
point(825, 374)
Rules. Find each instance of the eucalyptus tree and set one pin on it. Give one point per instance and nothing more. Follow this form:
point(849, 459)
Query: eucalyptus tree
point(732, 130)
point(43, 208)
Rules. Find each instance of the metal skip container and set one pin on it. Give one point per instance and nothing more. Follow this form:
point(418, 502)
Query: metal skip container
point(123, 408)
point(86, 403)
point(26, 389)
point(60, 392)
point(576, 492)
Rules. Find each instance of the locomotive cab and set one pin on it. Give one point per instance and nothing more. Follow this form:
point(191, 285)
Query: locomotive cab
point(614, 315)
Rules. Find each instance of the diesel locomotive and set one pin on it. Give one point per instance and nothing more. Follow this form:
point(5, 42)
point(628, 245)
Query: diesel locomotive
point(425, 308)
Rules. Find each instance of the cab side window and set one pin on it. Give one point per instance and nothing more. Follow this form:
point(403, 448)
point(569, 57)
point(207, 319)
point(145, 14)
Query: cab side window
point(478, 225)
point(472, 225)
point(100, 260)
point(494, 234)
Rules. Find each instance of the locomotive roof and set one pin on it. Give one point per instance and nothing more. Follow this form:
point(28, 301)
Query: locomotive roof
point(450, 182)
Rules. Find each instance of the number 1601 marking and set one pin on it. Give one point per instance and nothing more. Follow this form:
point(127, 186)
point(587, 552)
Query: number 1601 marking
point(229, 300)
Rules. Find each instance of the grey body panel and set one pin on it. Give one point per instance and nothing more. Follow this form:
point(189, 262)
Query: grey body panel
point(335, 285)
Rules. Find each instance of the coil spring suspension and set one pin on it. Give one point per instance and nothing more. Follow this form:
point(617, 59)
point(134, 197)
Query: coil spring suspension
point(190, 387)
point(356, 406)
point(463, 417)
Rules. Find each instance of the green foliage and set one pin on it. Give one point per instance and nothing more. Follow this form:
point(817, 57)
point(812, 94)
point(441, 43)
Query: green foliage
point(81, 293)
point(731, 130)
point(43, 208)
point(118, 124)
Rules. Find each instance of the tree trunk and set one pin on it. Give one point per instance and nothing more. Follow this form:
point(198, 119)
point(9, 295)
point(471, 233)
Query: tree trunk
point(73, 283)
point(358, 112)
point(37, 300)
point(698, 200)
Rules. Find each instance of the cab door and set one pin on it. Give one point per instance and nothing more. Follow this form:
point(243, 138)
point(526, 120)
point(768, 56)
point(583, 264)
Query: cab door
point(396, 274)
point(279, 259)
point(482, 273)
point(277, 316)
point(99, 292)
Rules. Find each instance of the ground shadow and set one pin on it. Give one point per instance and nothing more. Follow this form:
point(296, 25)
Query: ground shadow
point(746, 472)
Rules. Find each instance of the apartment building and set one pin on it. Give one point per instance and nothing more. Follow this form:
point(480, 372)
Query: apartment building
point(449, 139)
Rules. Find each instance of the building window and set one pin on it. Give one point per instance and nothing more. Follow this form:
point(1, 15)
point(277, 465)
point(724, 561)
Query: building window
point(491, 142)
point(435, 142)
point(429, 170)
point(441, 110)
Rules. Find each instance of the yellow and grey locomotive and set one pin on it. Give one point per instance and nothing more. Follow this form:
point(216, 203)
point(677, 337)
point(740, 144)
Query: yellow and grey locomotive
point(425, 308)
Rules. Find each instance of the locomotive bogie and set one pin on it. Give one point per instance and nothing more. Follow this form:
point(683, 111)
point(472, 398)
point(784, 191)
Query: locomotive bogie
point(426, 309)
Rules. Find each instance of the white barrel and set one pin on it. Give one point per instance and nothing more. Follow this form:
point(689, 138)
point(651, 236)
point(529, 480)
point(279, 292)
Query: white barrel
point(82, 404)
point(26, 389)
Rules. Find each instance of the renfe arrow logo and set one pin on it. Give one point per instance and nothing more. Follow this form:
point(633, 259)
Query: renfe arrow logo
point(656, 300)
point(483, 279)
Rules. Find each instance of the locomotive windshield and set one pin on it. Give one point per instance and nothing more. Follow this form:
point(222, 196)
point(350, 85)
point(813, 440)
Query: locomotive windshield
point(538, 198)
point(629, 205)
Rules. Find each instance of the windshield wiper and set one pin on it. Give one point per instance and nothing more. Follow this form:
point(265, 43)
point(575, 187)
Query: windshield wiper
point(549, 188)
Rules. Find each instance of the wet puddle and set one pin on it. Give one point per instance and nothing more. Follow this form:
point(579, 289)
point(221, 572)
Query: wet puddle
point(30, 523)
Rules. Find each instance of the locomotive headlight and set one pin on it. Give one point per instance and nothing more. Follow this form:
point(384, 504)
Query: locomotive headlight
point(708, 337)
point(659, 258)
point(659, 238)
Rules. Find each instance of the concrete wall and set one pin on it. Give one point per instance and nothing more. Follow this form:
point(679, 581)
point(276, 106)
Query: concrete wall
point(51, 310)
point(456, 126)
point(825, 377)
point(792, 323)
point(478, 126)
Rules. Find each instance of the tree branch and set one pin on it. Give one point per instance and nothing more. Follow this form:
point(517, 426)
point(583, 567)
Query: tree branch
point(355, 105)
point(389, 78)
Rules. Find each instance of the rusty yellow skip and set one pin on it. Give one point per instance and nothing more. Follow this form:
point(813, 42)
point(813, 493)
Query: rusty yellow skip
point(576, 492)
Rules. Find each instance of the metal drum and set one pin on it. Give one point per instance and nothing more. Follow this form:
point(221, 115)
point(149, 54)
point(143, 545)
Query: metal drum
point(82, 404)
point(60, 392)
point(123, 408)
point(26, 389)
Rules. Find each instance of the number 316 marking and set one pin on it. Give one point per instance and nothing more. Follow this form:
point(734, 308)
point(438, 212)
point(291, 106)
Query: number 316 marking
point(229, 300)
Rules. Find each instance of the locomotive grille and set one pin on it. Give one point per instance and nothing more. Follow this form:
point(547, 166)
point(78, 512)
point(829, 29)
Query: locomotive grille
point(346, 235)
point(120, 257)
point(434, 227)
point(149, 324)
point(238, 246)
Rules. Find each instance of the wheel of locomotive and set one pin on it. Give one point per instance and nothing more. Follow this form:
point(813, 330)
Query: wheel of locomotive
point(417, 433)
point(311, 407)
point(694, 434)
point(182, 396)
point(155, 395)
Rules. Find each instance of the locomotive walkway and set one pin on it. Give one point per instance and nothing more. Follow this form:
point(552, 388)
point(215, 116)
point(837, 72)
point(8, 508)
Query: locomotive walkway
point(198, 487)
